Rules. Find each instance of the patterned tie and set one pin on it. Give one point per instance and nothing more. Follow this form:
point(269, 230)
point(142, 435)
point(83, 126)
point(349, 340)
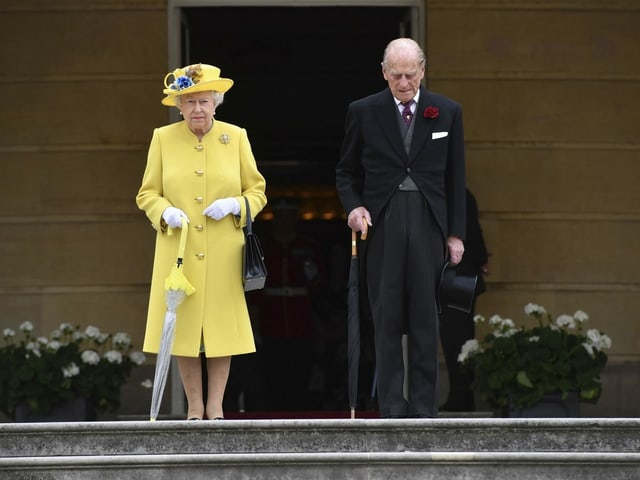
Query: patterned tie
point(407, 115)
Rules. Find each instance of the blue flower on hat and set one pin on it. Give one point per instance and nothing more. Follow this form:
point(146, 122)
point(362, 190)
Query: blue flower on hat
point(182, 82)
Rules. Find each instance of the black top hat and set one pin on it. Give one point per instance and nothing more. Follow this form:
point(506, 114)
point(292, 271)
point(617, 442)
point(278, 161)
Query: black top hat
point(456, 290)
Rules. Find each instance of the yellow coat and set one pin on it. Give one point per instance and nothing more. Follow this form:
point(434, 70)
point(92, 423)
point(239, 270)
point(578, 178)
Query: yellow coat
point(190, 175)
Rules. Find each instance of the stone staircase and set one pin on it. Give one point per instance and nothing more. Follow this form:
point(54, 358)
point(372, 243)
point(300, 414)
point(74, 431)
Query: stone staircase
point(372, 449)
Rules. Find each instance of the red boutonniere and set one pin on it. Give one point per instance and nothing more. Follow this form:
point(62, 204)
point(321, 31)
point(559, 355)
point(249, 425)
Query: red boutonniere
point(431, 112)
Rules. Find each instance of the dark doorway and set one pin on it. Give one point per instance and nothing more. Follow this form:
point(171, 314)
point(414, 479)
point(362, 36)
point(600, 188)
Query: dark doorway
point(295, 71)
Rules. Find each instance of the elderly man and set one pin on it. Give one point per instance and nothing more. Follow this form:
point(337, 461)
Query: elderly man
point(401, 170)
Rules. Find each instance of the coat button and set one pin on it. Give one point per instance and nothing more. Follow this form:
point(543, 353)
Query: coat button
point(199, 228)
point(199, 199)
point(199, 256)
point(199, 147)
point(198, 172)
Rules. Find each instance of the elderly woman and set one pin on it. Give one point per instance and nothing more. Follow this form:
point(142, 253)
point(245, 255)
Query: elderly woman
point(201, 170)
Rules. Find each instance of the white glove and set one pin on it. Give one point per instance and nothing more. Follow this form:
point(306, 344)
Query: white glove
point(173, 216)
point(222, 207)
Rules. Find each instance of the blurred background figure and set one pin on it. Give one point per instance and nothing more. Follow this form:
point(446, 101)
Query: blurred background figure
point(289, 313)
point(456, 326)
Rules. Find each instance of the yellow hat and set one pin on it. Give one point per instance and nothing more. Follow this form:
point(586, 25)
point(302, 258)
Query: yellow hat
point(193, 78)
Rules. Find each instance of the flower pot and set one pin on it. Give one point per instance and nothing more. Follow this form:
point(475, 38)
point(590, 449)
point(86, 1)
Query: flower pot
point(76, 409)
point(551, 405)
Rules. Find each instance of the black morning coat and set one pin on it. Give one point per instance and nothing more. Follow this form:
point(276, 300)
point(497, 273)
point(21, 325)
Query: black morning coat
point(373, 144)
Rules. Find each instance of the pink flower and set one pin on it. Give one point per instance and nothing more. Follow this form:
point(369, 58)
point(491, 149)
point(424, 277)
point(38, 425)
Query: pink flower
point(431, 112)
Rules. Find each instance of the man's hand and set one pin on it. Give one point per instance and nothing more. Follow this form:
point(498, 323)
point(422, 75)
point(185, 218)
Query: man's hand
point(456, 249)
point(355, 219)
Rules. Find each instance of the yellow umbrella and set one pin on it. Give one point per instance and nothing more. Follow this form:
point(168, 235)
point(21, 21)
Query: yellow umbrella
point(177, 287)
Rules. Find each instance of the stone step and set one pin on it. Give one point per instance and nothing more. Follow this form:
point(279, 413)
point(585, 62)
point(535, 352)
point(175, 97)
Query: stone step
point(482, 448)
point(331, 466)
point(306, 436)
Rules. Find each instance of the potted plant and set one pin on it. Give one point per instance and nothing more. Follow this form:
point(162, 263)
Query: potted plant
point(517, 367)
point(40, 373)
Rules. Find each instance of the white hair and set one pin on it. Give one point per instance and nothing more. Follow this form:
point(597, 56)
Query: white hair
point(403, 45)
point(218, 98)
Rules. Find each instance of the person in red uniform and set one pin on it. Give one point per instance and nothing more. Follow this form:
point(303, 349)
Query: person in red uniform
point(287, 309)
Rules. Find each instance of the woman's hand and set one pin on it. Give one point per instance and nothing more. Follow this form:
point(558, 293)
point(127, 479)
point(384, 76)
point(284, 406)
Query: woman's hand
point(222, 207)
point(173, 216)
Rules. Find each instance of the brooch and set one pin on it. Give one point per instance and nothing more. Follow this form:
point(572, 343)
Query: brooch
point(224, 138)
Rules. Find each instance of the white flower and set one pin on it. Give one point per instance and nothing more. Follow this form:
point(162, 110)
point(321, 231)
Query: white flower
point(589, 348)
point(478, 319)
point(8, 332)
point(90, 357)
point(147, 383)
point(26, 326)
point(505, 332)
point(507, 323)
point(70, 370)
point(65, 328)
point(137, 358)
point(42, 340)
point(54, 345)
point(78, 336)
point(565, 321)
point(121, 339)
point(470, 348)
point(510, 332)
point(534, 309)
point(34, 348)
point(593, 336)
point(113, 356)
point(581, 316)
point(55, 334)
point(534, 338)
point(504, 327)
point(92, 332)
point(596, 342)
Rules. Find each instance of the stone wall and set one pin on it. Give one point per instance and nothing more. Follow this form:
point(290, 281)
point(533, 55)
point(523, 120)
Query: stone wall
point(551, 95)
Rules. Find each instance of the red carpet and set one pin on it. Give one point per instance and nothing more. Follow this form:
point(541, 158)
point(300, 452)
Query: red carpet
point(298, 415)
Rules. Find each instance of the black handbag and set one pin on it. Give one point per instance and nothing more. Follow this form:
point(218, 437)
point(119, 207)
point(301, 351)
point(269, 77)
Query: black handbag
point(254, 271)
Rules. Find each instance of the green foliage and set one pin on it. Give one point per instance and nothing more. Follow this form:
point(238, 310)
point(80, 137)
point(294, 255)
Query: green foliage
point(524, 364)
point(44, 371)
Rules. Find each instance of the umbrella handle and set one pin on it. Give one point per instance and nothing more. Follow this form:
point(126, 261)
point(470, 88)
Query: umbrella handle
point(363, 236)
point(183, 240)
point(365, 229)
